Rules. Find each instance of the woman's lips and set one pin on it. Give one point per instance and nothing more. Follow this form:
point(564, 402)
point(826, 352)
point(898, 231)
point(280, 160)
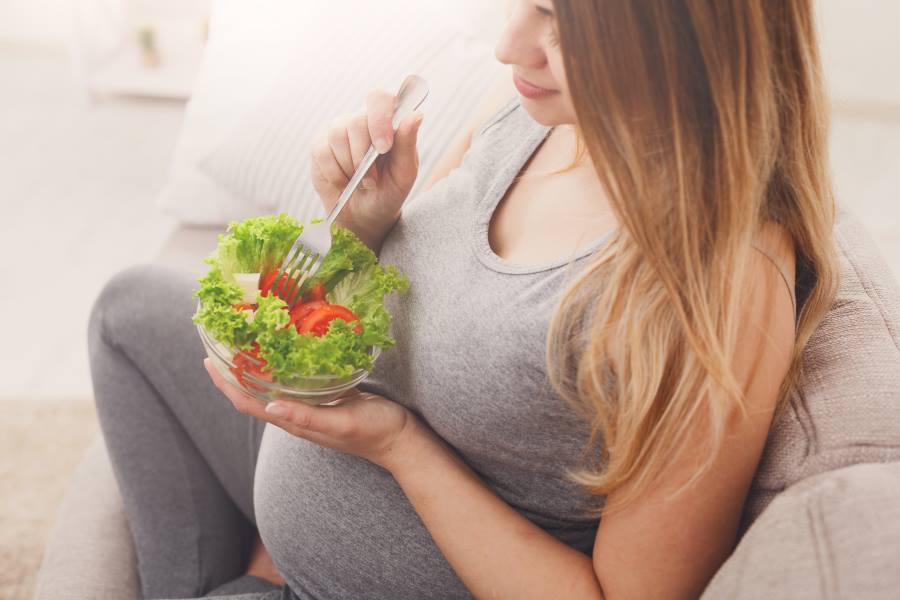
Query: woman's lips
point(529, 90)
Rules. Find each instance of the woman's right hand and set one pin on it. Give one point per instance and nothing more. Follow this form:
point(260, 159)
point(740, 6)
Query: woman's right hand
point(375, 205)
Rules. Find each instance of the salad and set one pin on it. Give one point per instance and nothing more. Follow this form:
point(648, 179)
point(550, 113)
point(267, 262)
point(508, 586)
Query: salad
point(332, 330)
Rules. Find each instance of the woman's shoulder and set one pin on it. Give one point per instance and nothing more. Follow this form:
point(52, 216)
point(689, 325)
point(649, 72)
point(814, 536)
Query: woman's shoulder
point(499, 114)
point(498, 100)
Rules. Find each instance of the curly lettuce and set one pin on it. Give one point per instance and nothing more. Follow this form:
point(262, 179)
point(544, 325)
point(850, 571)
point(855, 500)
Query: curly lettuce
point(363, 291)
point(254, 245)
point(216, 313)
point(352, 278)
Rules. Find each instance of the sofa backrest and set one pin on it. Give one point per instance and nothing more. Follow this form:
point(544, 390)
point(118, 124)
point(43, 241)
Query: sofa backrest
point(847, 410)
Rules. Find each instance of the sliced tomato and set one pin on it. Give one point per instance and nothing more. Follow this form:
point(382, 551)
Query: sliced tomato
point(316, 292)
point(301, 310)
point(245, 306)
point(250, 362)
point(286, 287)
point(266, 281)
point(318, 321)
point(238, 373)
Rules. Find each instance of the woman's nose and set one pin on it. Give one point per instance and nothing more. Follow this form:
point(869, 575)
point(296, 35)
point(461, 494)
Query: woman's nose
point(519, 43)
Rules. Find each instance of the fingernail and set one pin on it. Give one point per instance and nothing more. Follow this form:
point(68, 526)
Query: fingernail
point(368, 183)
point(381, 144)
point(276, 410)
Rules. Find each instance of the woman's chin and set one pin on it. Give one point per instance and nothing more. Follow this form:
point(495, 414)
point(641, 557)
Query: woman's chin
point(546, 111)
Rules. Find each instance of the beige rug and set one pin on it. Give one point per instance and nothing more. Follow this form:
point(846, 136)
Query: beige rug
point(41, 443)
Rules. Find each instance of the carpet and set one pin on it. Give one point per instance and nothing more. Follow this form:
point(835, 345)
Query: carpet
point(41, 443)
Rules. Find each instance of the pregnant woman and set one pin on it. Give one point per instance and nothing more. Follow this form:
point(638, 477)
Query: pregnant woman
point(612, 279)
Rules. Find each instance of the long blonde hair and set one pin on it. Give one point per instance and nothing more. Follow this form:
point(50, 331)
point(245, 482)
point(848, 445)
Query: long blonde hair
point(704, 119)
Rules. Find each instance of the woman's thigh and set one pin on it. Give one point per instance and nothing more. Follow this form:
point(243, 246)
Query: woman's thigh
point(183, 456)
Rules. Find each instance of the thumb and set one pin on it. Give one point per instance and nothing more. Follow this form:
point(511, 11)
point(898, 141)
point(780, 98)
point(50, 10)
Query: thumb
point(309, 419)
point(404, 150)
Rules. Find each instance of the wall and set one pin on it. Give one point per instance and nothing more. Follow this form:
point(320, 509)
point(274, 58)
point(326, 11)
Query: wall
point(861, 51)
point(35, 21)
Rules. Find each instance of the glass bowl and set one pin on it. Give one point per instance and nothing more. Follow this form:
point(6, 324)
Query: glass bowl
point(312, 389)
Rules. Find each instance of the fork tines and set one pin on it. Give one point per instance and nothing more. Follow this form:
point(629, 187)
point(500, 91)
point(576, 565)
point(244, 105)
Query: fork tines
point(299, 261)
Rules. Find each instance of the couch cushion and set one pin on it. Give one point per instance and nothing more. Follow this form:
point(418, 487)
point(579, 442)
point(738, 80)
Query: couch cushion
point(187, 246)
point(848, 409)
point(835, 535)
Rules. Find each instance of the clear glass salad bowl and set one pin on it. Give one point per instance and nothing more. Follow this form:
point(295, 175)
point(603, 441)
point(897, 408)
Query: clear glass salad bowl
point(312, 390)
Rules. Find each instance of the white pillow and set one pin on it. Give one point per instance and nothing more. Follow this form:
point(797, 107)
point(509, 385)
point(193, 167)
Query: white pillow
point(253, 89)
point(250, 42)
point(267, 160)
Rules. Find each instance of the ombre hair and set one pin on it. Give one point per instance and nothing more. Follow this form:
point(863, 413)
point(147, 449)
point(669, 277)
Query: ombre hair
point(704, 120)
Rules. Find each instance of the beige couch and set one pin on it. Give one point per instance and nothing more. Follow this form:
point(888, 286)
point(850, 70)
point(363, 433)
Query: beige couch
point(821, 521)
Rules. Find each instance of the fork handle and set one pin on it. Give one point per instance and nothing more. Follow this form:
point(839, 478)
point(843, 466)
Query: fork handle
point(412, 93)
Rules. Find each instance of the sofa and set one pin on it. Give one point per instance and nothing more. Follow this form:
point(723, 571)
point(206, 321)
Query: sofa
point(822, 517)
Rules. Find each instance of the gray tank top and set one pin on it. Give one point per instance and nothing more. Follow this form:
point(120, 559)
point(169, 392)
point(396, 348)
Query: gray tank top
point(470, 361)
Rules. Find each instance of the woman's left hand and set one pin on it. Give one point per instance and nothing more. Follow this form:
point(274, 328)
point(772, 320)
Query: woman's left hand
point(367, 425)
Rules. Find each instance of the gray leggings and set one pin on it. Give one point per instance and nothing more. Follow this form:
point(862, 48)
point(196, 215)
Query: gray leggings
point(183, 457)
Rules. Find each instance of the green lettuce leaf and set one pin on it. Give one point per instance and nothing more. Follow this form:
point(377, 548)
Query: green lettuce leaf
point(347, 255)
point(255, 245)
point(363, 293)
point(216, 314)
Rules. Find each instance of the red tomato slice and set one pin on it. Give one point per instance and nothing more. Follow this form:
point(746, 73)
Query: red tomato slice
point(285, 288)
point(249, 362)
point(265, 282)
point(245, 306)
point(316, 292)
point(317, 322)
point(301, 310)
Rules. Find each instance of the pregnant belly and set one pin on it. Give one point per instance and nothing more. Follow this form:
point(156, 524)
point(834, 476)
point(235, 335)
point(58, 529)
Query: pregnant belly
point(338, 526)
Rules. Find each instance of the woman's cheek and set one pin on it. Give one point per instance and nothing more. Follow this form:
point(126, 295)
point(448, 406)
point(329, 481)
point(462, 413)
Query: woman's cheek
point(566, 108)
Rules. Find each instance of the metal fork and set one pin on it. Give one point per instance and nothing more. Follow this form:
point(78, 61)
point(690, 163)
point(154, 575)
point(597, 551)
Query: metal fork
point(314, 242)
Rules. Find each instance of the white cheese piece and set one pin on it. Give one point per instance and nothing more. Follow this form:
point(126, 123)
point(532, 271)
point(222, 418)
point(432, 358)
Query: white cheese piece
point(249, 283)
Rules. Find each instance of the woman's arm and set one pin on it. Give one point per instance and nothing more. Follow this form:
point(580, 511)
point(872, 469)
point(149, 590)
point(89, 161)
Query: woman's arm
point(494, 550)
point(671, 549)
point(497, 94)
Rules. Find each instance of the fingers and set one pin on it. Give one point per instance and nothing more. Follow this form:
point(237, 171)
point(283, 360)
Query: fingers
point(342, 148)
point(358, 134)
point(405, 156)
point(328, 165)
point(380, 106)
point(332, 421)
point(243, 403)
point(338, 152)
point(295, 417)
point(339, 142)
point(407, 134)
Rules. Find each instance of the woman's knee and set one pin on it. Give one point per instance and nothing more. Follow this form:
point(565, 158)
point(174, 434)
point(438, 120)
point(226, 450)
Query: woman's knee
point(119, 308)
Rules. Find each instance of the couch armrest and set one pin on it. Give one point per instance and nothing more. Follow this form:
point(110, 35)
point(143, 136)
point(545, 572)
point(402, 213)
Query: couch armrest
point(90, 553)
point(834, 535)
